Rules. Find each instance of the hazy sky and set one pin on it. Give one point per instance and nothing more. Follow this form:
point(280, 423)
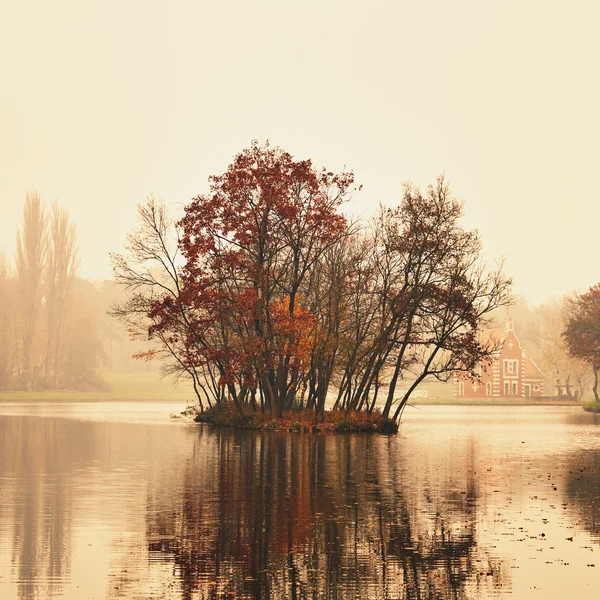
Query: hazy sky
point(102, 103)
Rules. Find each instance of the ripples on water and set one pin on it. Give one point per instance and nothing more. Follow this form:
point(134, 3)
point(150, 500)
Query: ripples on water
point(463, 503)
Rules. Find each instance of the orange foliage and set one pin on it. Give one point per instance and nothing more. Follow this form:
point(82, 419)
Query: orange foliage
point(294, 333)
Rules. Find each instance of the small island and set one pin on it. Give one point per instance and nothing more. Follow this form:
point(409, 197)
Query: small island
point(301, 421)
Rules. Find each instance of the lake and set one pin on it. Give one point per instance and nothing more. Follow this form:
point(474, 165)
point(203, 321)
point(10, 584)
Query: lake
point(115, 500)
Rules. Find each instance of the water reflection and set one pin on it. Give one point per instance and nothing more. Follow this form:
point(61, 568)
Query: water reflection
point(474, 505)
point(583, 490)
point(314, 516)
point(38, 505)
point(66, 487)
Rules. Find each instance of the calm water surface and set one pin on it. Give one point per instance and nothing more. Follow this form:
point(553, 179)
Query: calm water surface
point(112, 500)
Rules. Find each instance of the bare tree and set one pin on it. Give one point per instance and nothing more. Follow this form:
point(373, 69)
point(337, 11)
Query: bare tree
point(149, 272)
point(432, 295)
point(450, 341)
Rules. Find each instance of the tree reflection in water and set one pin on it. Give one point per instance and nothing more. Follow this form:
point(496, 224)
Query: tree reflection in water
point(583, 490)
point(40, 519)
point(312, 516)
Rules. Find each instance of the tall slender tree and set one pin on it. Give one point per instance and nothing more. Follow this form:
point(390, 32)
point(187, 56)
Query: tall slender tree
point(62, 264)
point(30, 261)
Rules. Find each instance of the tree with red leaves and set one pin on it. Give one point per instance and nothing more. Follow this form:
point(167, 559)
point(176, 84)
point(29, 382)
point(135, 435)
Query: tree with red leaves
point(249, 246)
point(582, 331)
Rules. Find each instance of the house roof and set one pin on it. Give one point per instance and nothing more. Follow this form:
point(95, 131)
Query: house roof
point(531, 370)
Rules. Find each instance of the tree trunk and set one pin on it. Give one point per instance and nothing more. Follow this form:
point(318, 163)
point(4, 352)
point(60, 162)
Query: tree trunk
point(568, 388)
point(272, 398)
point(558, 389)
point(596, 384)
point(371, 408)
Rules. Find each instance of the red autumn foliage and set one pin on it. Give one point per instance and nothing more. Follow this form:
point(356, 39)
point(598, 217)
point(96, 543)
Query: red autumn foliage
point(582, 331)
point(249, 245)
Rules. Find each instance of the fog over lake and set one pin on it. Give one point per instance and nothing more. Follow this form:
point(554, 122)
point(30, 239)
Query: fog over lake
point(299, 300)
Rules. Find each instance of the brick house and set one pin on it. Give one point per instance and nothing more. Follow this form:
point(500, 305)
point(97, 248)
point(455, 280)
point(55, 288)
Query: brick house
point(510, 375)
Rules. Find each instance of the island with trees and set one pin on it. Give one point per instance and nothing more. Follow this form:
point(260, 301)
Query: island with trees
point(277, 309)
point(286, 314)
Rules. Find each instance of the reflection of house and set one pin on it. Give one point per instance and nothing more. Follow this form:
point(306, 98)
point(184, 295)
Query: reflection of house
point(511, 374)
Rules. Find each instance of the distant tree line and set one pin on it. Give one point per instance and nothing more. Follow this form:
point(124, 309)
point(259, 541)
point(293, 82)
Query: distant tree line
point(562, 336)
point(540, 329)
point(49, 337)
point(266, 296)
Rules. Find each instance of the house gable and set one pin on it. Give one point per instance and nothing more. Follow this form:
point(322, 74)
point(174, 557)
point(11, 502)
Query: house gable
point(510, 375)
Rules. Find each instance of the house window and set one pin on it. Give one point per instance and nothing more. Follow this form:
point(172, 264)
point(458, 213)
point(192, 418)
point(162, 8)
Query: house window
point(506, 388)
point(461, 388)
point(488, 388)
point(475, 386)
point(511, 367)
point(514, 388)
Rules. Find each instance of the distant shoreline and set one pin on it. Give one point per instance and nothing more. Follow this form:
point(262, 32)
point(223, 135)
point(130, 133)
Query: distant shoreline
point(73, 396)
point(491, 402)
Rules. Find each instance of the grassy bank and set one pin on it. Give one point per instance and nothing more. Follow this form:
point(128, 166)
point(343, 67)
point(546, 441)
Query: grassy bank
point(228, 416)
point(592, 407)
point(456, 401)
point(114, 386)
